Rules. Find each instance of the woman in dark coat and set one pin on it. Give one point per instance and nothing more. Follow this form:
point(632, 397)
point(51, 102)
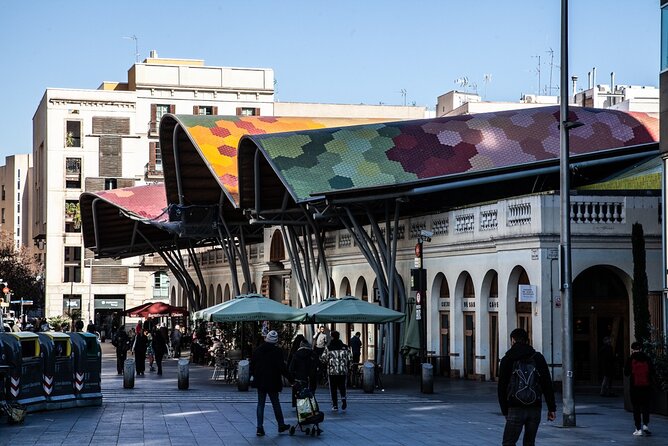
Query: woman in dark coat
point(122, 343)
point(267, 369)
point(139, 349)
point(303, 368)
point(159, 348)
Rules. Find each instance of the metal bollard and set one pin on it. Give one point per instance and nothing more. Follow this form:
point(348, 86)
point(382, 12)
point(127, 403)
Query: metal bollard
point(368, 377)
point(129, 373)
point(243, 375)
point(427, 384)
point(183, 377)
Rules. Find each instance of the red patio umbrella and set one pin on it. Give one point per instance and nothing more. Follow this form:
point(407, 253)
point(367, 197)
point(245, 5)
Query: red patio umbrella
point(132, 311)
point(158, 309)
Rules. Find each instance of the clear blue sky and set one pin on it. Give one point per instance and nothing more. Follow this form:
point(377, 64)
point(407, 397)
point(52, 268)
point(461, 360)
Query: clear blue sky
point(344, 51)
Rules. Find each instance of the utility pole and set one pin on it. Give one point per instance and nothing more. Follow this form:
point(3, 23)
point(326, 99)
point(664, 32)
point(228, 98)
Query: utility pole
point(567, 359)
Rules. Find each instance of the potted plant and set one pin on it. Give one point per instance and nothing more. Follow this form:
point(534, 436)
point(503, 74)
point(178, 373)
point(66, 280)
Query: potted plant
point(658, 352)
point(73, 212)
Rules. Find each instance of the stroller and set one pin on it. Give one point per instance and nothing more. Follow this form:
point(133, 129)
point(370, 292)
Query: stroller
point(309, 416)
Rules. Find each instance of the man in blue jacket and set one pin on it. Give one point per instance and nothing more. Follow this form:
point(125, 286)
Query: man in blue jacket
point(267, 369)
point(521, 412)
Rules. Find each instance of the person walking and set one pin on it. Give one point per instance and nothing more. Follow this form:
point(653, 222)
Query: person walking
point(523, 380)
point(356, 349)
point(640, 370)
point(302, 368)
point(139, 347)
point(150, 354)
point(266, 370)
point(176, 341)
point(121, 341)
point(337, 359)
point(159, 348)
point(606, 358)
point(320, 341)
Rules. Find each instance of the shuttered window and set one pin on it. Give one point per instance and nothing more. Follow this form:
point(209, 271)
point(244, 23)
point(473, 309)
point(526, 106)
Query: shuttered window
point(103, 125)
point(110, 156)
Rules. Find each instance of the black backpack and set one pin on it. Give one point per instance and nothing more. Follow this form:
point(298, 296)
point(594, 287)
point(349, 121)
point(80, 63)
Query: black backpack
point(524, 386)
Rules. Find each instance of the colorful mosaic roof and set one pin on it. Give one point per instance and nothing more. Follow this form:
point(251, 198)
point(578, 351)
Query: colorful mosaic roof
point(144, 202)
point(644, 176)
point(217, 138)
point(322, 161)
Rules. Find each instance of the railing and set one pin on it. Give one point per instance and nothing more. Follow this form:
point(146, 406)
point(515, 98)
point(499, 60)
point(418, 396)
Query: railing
point(489, 220)
point(588, 212)
point(519, 214)
point(464, 223)
point(440, 226)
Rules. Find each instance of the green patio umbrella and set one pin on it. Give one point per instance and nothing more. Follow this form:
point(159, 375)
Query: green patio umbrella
point(204, 312)
point(411, 342)
point(350, 309)
point(252, 307)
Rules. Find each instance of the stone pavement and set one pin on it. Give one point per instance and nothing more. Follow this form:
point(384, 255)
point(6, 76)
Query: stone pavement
point(212, 413)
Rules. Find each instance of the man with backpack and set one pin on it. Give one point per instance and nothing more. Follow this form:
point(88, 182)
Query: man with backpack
point(524, 380)
point(639, 368)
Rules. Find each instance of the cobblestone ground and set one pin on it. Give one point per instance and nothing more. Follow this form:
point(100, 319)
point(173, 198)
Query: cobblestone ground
point(212, 413)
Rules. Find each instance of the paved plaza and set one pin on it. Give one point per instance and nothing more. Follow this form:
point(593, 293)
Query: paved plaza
point(212, 413)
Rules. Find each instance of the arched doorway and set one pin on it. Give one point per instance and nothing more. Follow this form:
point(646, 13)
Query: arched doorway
point(468, 318)
point(444, 323)
point(219, 294)
point(600, 309)
point(226, 296)
point(492, 278)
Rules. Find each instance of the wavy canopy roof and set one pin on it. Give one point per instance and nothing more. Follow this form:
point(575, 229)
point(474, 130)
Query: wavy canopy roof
point(206, 160)
point(112, 221)
point(403, 154)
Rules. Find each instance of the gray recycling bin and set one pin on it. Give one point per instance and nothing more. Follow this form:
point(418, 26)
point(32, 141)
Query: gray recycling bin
point(23, 356)
point(57, 369)
point(87, 369)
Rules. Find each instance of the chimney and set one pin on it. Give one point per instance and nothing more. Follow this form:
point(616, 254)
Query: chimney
point(574, 79)
point(612, 82)
point(588, 80)
point(153, 54)
point(593, 77)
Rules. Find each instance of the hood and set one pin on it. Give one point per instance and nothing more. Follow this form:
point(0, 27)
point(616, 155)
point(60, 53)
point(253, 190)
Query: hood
point(336, 344)
point(520, 351)
point(303, 352)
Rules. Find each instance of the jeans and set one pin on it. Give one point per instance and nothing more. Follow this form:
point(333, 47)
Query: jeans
point(640, 402)
point(518, 418)
point(275, 404)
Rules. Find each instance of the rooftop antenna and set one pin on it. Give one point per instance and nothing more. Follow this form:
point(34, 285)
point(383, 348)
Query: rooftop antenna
point(551, 53)
point(486, 79)
point(538, 71)
point(134, 37)
point(462, 82)
point(403, 93)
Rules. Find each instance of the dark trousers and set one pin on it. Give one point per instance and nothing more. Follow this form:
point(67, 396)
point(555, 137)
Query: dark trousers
point(640, 402)
point(275, 404)
point(158, 361)
point(121, 356)
point(518, 418)
point(140, 361)
point(337, 382)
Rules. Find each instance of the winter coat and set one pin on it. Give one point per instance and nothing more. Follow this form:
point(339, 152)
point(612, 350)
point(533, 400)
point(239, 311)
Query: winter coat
point(303, 364)
point(159, 343)
point(267, 367)
point(122, 342)
point(518, 351)
point(140, 344)
point(337, 357)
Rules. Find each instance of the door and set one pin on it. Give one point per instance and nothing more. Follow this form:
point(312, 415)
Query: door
point(444, 366)
point(469, 345)
point(493, 346)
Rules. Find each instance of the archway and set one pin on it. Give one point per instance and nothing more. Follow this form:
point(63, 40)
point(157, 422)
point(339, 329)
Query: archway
point(210, 297)
point(219, 294)
point(226, 296)
point(523, 314)
point(600, 309)
point(443, 305)
point(490, 294)
point(362, 291)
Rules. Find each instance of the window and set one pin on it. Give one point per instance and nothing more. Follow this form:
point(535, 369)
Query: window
point(3, 192)
point(73, 173)
point(204, 110)
point(248, 111)
point(18, 181)
point(157, 112)
point(110, 183)
point(158, 158)
point(72, 216)
point(73, 134)
point(72, 264)
point(18, 207)
point(2, 220)
point(18, 220)
point(160, 285)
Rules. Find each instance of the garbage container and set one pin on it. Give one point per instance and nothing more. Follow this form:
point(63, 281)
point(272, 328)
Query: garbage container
point(57, 369)
point(23, 356)
point(87, 369)
point(183, 374)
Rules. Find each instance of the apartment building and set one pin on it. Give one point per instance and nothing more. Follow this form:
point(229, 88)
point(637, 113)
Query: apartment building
point(15, 211)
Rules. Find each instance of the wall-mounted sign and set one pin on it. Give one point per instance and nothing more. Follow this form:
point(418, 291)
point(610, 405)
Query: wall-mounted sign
point(468, 305)
point(493, 304)
point(115, 304)
point(443, 304)
point(527, 293)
